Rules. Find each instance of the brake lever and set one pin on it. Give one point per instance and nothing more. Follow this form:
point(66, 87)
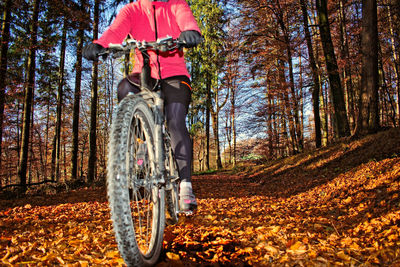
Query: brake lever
point(180, 45)
point(165, 40)
point(103, 55)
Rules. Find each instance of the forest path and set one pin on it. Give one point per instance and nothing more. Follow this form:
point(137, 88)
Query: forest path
point(337, 205)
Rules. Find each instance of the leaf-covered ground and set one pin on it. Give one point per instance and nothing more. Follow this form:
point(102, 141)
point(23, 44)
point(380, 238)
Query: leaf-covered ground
point(336, 206)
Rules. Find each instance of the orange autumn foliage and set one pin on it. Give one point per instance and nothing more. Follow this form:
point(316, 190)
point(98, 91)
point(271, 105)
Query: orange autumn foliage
point(339, 205)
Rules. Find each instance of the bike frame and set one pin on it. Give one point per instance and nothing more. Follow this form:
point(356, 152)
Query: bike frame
point(152, 95)
point(157, 105)
point(124, 178)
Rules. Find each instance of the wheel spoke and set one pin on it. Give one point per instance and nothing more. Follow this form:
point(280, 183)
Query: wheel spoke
point(140, 180)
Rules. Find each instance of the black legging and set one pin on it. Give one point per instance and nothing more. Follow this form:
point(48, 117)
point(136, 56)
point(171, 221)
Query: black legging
point(175, 113)
point(180, 139)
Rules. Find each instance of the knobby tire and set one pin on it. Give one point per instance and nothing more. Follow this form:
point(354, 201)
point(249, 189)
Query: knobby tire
point(128, 176)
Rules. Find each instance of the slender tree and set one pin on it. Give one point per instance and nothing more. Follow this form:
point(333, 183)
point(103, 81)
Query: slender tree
point(31, 68)
point(391, 5)
point(369, 111)
point(57, 138)
point(232, 80)
point(208, 112)
point(77, 95)
point(93, 105)
point(341, 124)
point(287, 111)
point(345, 55)
point(5, 38)
point(215, 123)
point(396, 5)
point(296, 130)
point(209, 15)
point(315, 75)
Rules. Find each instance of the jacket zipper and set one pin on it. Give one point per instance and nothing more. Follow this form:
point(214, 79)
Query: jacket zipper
point(157, 52)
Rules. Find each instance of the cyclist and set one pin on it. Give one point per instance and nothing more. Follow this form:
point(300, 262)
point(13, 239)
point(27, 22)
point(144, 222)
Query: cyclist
point(149, 20)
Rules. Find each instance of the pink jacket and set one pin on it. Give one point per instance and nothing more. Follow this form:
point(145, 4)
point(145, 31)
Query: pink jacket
point(137, 19)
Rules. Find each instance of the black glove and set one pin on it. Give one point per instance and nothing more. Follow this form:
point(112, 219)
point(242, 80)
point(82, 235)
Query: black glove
point(91, 51)
point(190, 38)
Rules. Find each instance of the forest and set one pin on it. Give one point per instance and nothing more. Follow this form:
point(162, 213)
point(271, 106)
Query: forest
point(294, 120)
point(272, 79)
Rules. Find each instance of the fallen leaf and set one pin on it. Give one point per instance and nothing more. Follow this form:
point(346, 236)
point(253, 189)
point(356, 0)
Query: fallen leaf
point(173, 256)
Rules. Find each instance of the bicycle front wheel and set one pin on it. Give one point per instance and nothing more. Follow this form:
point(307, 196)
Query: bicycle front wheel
point(136, 201)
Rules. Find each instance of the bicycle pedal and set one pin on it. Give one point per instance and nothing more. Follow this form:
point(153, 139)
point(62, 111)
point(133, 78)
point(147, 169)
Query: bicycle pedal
point(186, 213)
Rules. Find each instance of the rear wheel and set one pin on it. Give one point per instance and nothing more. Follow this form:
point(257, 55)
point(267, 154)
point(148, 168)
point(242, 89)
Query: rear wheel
point(136, 201)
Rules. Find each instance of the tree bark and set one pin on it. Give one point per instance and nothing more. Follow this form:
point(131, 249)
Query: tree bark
point(341, 124)
point(324, 116)
point(233, 123)
point(57, 138)
point(284, 142)
point(28, 99)
point(77, 99)
point(347, 79)
point(369, 112)
point(287, 111)
point(296, 131)
point(317, 82)
point(383, 85)
point(396, 6)
point(93, 106)
point(215, 119)
point(215, 122)
point(5, 38)
point(208, 107)
point(270, 123)
point(394, 49)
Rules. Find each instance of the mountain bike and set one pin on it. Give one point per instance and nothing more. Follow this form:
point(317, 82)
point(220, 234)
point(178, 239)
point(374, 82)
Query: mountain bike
point(142, 176)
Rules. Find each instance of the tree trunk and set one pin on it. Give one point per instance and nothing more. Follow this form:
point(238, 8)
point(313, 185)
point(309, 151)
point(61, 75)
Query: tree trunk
point(28, 99)
point(301, 97)
point(348, 84)
point(383, 85)
point(270, 127)
point(46, 143)
point(296, 128)
point(215, 127)
point(233, 124)
point(396, 22)
point(284, 141)
point(369, 111)
point(324, 116)
point(287, 111)
point(93, 106)
point(314, 69)
point(208, 107)
point(341, 124)
point(275, 102)
point(215, 122)
point(5, 38)
point(57, 138)
point(77, 99)
point(395, 52)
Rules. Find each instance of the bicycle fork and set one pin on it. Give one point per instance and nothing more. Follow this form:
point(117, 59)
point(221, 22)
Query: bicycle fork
point(159, 145)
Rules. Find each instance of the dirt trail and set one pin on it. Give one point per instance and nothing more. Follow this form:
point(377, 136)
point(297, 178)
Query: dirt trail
point(336, 206)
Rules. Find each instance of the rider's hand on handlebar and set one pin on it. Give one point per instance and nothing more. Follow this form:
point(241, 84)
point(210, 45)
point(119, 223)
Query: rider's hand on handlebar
point(92, 50)
point(190, 38)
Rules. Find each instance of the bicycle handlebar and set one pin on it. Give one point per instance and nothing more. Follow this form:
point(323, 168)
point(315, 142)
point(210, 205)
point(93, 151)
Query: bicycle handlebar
point(162, 45)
